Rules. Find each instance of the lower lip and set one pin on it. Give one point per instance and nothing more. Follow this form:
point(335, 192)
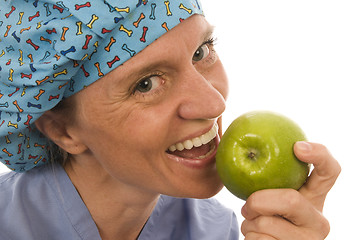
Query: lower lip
point(210, 159)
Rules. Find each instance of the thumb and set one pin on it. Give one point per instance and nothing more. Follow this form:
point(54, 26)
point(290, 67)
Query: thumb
point(324, 175)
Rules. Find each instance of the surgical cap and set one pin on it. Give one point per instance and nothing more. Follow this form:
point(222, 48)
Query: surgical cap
point(51, 49)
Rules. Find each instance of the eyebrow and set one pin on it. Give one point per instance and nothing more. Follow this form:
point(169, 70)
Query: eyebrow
point(208, 33)
point(203, 38)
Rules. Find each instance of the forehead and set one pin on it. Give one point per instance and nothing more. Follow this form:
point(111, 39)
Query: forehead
point(182, 40)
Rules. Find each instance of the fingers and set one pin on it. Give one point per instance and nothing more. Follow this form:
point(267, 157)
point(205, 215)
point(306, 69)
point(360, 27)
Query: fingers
point(258, 236)
point(276, 228)
point(287, 203)
point(270, 226)
point(326, 167)
point(283, 214)
point(325, 172)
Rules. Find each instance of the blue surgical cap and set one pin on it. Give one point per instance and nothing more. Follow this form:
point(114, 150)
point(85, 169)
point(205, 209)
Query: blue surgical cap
point(51, 49)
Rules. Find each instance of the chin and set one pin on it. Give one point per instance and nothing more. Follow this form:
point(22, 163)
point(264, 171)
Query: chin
point(204, 190)
point(208, 194)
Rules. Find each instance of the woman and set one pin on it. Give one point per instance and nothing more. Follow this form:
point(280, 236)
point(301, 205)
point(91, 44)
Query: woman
point(141, 121)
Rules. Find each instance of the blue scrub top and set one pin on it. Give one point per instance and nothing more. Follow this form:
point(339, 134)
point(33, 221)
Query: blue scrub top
point(43, 204)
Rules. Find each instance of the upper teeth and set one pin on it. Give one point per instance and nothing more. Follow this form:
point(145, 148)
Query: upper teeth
point(197, 141)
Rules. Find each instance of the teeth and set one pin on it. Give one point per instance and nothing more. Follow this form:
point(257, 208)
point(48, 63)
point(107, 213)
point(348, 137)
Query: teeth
point(197, 141)
point(188, 144)
point(172, 148)
point(179, 146)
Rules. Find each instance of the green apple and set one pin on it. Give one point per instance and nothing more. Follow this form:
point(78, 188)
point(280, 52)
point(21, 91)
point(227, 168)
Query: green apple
point(256, 152)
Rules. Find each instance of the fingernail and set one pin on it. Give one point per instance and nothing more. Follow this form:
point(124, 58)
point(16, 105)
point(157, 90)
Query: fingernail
point(304, 146)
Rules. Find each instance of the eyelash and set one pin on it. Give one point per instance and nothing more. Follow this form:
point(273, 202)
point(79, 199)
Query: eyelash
point(134, 90)
point(211, 42)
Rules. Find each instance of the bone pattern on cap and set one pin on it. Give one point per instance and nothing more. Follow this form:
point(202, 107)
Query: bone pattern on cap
point(49, 50)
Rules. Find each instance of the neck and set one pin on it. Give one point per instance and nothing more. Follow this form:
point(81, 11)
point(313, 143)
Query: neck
point(120, 211)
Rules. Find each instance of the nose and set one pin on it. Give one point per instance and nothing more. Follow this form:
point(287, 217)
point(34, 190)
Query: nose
point(200, 99)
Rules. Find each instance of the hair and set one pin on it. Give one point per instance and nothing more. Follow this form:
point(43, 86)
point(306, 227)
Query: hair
point(57, 154)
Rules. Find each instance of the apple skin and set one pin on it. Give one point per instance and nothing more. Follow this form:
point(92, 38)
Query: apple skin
point(256, 152)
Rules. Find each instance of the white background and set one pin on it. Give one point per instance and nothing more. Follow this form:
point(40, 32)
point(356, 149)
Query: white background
point(302, 59)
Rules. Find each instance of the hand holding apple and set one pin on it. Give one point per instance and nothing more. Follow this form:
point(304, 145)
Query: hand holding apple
point(283, 214)
point(279, 214)
point(256, 152)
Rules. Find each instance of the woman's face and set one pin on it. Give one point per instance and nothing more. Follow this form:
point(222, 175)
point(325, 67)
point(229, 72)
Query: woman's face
point(171, 95)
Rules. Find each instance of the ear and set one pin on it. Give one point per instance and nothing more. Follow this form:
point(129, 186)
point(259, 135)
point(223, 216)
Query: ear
point(54, 127)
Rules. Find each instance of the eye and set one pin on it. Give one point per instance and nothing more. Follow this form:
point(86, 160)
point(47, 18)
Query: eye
point(148, 84)
point(201, 53)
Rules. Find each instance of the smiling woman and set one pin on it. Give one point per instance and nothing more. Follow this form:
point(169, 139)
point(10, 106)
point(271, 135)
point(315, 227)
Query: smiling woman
point(133, 93)
point(167, 114)
point(137, 123)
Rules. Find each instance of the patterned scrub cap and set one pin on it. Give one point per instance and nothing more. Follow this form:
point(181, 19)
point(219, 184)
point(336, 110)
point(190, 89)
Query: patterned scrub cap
point(51, 49)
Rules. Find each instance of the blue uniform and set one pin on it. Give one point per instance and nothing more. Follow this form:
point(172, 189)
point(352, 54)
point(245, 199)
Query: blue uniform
point(43, 204)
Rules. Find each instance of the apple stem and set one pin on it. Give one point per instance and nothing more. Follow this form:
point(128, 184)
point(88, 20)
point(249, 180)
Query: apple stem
point(252, 155)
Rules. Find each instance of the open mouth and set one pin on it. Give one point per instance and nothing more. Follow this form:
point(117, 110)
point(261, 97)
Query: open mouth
point(196, 148)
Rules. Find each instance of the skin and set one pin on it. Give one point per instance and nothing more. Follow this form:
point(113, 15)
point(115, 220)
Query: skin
point(117, 137)
point(288, 214)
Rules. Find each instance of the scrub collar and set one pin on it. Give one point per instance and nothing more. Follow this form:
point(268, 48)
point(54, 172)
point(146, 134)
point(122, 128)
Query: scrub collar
point(50, 50)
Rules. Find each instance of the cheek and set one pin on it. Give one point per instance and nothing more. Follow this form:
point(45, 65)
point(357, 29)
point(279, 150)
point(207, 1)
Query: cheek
point(131, 148)
point(124, 131)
